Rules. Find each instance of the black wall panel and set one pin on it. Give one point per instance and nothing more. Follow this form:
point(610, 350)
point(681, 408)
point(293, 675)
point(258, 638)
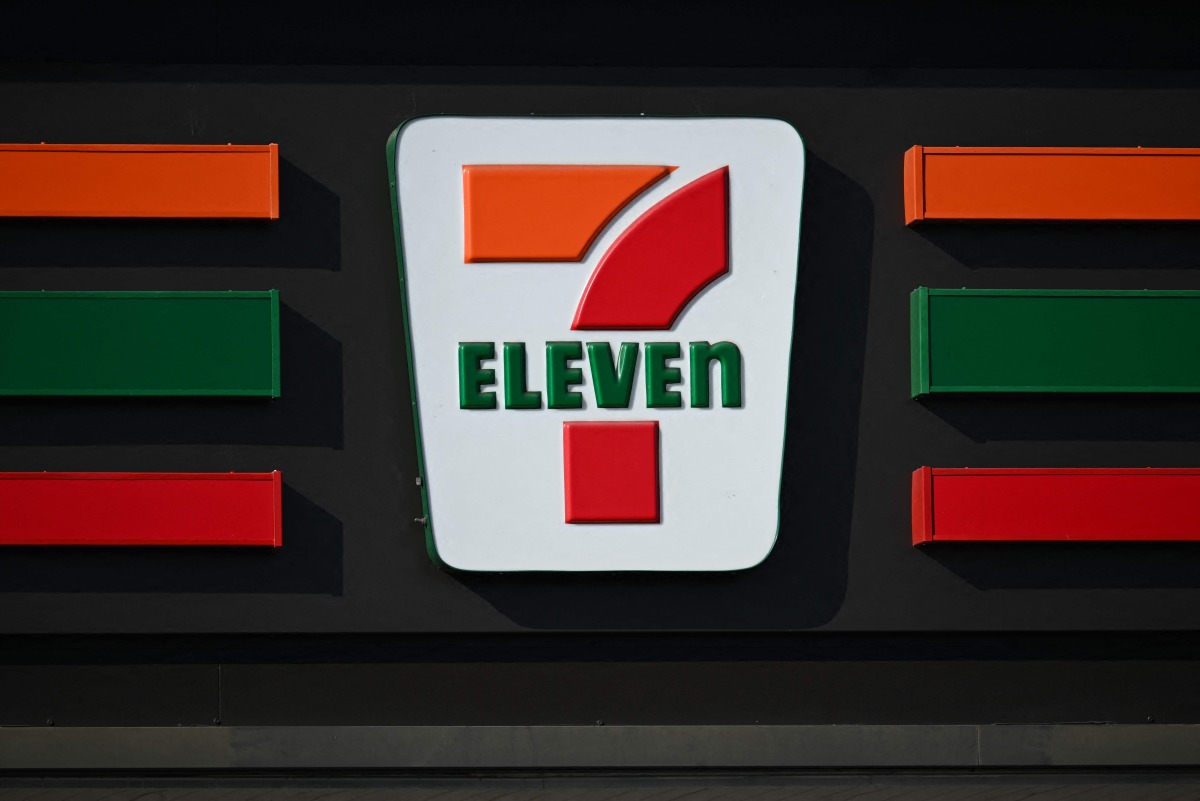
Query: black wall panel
point(105, 695)
point(354, 563)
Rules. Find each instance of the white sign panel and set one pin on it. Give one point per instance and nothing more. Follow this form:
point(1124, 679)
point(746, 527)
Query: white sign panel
point(599, 314)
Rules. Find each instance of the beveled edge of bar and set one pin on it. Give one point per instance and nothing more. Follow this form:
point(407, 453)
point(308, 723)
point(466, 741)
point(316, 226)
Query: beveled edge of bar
point(922, 505)
point(35, 147)
point(1058, 151)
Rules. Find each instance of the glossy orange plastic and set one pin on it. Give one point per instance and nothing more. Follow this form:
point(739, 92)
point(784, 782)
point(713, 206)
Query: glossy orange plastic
point(545, 212)
point(1051, 183)
point(162, 181)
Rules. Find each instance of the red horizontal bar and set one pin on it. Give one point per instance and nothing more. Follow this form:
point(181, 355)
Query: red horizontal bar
point(141, 509)
point(1051, 183)
point(1055, 504)
point(163, 181)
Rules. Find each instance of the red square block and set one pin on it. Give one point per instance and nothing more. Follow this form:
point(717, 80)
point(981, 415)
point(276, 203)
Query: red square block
point(611, 472)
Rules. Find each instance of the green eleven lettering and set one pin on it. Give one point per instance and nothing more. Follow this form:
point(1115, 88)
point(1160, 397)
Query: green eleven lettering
point(472, 377)
point(612, 376)
point(613, 381)
point(516, 396)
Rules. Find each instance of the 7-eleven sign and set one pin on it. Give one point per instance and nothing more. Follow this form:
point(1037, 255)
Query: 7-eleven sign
point(599, 317)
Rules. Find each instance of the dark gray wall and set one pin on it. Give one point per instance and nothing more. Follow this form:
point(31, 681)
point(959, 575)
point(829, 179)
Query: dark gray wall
point(355, 562)
point(409, 643)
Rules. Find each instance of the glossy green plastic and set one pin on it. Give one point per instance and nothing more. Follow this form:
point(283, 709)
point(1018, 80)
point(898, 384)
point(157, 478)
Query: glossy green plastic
point(561, 376)
point(1054, 341)
point(659, 377)
point(729, 357)
point(473, 376)
point(614, 381)
point(516, 396)
point(139, 343)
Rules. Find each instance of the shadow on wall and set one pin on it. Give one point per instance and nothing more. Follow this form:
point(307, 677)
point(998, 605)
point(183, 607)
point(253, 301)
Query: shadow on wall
point(308, 412)
point(1084, 418)
point(1072, 565)
point(1079, 246)
point(310, 562)
point(803, 582)
point(308, 234)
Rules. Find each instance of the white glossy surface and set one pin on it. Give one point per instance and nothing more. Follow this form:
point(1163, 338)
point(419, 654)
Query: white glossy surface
point(495, 477)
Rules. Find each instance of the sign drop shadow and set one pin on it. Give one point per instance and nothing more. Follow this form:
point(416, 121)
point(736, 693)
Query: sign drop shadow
point(309, 562)
point(308, 234)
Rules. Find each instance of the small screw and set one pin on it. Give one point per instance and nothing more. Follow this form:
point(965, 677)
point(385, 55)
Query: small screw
point(49, 721)
point(1149, 718)
point(217, 721)
point(421, 520)
point(599, 722)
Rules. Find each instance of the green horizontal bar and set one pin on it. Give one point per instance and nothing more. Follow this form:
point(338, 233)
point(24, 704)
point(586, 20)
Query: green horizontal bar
point(1055, 341)
point(139, 343)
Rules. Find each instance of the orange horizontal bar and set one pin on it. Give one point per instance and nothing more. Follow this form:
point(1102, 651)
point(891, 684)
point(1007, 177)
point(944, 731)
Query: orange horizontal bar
point(163, 181)
point(1051, 183)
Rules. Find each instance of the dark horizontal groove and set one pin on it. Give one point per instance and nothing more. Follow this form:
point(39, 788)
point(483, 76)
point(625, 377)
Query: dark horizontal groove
point(595, 648)
point(558, 748)
point(668, 75)
point(219, 782)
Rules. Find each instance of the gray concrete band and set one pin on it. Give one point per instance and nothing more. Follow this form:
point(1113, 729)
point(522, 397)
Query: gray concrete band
point(249, 748)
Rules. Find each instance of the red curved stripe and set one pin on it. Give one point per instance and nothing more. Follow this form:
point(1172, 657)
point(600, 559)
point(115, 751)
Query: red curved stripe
point(662, 260)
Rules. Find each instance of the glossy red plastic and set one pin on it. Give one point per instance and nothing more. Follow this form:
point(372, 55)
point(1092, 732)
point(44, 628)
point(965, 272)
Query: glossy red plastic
point(1055, 504)
point(611, 472)
point(662, 260)
point(141, 509)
